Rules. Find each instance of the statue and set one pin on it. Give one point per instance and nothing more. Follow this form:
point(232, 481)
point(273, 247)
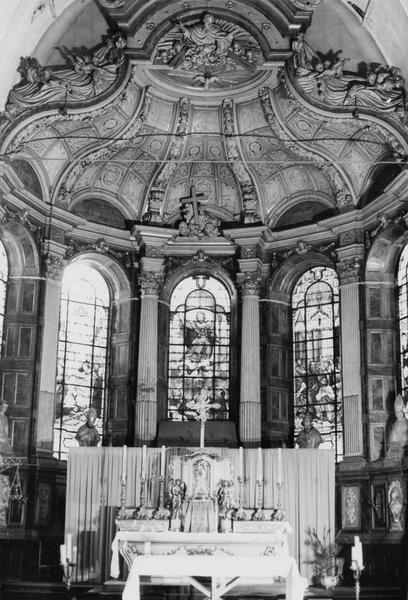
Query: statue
point(225, 498)
point(87, 434)
point(177, 491)
point(5, 445)
point(398, 438)
point(396, 505)
point(309, 437)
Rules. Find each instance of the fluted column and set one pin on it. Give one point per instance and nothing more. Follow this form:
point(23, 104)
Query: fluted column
point(250, 402)
point(54, 267)
point(146, 395)
point(349, 268)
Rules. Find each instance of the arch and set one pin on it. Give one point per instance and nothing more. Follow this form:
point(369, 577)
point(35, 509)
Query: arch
point(21, 248)
point(113, 272)
point(384, 253)
point(324, 207)
point(379, 178)
point(284, 278)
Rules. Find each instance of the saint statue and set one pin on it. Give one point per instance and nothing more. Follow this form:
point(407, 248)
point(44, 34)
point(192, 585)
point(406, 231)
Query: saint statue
point(5, 445)
point(398, 438)
point(87, 434)
point(309, 437)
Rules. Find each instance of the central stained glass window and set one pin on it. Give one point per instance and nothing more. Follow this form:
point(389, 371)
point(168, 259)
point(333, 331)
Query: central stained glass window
point(199, 347)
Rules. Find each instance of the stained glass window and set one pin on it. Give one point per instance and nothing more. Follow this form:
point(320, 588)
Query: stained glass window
point(199, 347)
point(82, 346)
point(3, 285)
point(402, 280)
point(316, 356)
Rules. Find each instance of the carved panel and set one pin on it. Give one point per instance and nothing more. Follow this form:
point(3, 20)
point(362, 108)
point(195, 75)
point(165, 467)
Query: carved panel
point(350, 507)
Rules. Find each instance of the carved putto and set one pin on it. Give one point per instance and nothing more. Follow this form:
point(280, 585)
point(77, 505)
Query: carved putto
point(382, 89)
point(88, 76)
point(209, 52)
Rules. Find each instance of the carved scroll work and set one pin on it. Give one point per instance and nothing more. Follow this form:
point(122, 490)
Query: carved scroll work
point(208, 53)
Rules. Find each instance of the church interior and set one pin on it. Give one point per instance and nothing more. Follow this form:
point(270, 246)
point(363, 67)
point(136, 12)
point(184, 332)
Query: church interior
point(203, 299)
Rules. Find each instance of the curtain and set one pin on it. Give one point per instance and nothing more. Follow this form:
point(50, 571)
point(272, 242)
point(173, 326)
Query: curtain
point(93, 495)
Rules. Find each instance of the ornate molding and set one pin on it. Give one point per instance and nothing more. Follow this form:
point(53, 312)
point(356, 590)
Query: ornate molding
point(349, 269)
point(20, 216)
point(126, 258)
point(150, 283)
point(303, 248)
point(234, 155)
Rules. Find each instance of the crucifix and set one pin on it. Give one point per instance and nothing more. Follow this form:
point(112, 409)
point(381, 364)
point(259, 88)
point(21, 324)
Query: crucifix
point(201, 408)
point(195, 200)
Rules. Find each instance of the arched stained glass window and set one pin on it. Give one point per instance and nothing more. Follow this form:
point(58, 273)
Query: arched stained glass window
point(402, 281)
point(199, 347)
point(82, 348)
point(3, 286)
point(316, 354)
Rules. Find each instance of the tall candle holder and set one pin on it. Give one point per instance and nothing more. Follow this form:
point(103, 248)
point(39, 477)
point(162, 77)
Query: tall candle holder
point(240, 514)
point(68, 567)
point(259, 514)
point(142, 513)
point(279, 514)
point(162, 512)
point(123, 488)
point(357, 569)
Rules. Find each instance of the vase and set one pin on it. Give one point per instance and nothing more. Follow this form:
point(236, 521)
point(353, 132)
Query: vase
point(329, 581)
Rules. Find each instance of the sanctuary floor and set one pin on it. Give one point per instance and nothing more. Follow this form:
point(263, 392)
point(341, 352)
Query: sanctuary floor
point(43, 591)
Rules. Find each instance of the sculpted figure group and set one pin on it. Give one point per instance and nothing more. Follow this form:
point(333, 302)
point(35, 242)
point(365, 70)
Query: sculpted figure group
point(382, 89)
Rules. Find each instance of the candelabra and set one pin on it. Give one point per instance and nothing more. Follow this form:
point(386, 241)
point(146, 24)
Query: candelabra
point(162, 512)
point(68, 567)
point(123, 487)
point(142, 513)
point(259, 515)
point(357, 569)
point(240, 513)
point(279, 514)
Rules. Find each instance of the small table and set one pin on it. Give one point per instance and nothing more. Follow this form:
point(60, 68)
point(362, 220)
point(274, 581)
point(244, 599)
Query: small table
point(225, 572)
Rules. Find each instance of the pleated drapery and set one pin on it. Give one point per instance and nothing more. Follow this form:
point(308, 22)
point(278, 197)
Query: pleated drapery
point(93, 495)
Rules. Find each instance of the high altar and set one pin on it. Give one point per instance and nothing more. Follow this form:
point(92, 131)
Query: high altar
point(208, 533)
point(197, 509)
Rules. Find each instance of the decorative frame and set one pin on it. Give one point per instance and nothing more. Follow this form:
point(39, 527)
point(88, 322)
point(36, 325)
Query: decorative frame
point(379, 506)
point(350, 507)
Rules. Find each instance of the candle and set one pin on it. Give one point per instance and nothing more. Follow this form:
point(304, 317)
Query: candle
point(144, 456)
point(259, 472)
point(162, 461)
point(63, 554)
point(124, 463)
point(241, 463)
point(74, 554)
point(357, 552)
point(69, 547)
point(279, 465)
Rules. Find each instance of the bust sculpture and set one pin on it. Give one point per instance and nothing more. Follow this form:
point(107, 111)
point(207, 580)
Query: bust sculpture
point(87, 434)
point(398, 438)
point(309, 437)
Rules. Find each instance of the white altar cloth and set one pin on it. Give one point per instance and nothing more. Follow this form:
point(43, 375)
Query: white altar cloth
point(139, 543)
point(225, 572)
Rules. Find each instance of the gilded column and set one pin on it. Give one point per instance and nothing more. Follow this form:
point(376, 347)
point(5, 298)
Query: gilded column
point(54, 267)
point(250, 401)
point(146, 394)
point(349, 267)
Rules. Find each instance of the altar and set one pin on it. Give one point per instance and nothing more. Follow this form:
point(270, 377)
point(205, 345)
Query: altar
point(153, 520)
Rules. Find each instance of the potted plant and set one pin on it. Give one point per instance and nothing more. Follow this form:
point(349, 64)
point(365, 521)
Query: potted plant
point(325, 565)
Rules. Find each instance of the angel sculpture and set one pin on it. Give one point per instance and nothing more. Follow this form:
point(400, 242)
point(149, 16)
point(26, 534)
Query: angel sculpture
point(225, 499)
point(177, 491)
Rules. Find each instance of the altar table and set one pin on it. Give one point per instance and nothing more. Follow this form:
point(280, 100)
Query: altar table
point(225, 572)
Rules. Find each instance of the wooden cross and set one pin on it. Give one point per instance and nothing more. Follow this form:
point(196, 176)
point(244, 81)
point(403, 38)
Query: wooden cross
point(195, 200)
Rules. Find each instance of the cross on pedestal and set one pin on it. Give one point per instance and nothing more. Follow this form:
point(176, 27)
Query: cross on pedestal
point(202, 408)
point(195, 200)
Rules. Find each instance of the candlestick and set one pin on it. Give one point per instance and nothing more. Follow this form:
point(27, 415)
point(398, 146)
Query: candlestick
point(68, 547)
point(162, 461)
point(124, 463)
point(63, 554)
point(144, 458)
point(279, 465)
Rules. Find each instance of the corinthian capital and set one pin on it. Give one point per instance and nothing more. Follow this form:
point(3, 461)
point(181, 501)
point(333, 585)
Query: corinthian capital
point(250, 284)
point(54, 266)
point(150, 283)
point(349, 269)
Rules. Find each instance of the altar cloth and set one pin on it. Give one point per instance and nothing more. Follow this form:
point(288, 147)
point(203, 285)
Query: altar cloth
point(225, 572)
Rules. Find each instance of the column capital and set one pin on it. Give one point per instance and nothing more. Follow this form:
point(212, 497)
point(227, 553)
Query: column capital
point(250, 283)
point(54, 266)
point(150, 283)
point(349, 269)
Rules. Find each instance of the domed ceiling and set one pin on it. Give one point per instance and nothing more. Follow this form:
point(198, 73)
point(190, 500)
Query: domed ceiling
point(179, 98)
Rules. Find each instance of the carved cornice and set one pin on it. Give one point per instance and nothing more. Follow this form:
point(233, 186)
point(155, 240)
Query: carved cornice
point(150, 283)
point(349, 269)
point(303, 248)
point(74, 247)
point(20, 216)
